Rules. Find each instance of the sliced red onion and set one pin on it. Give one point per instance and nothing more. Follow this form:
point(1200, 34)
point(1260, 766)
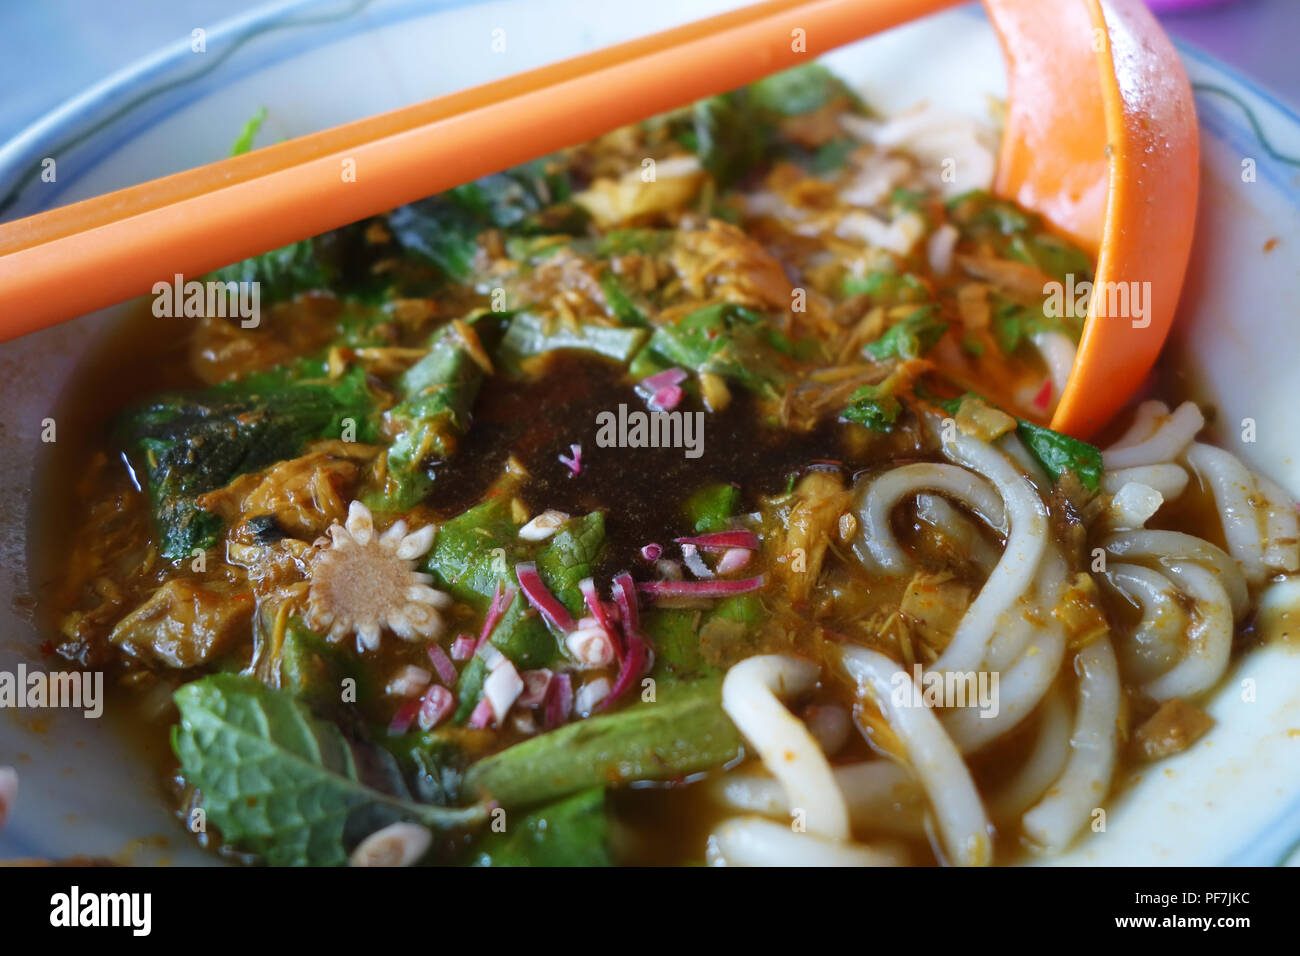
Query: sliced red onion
point(691, 558)
point(625, 600)
point(491, 657)
point(559, 701)
point(536, 684)
point(594, 604)
point(666, 399)
point(652, 551)
point(410, 681)
point(442, 664)
point(404, 717)
point(706, 589)
point(668, 569)
point(723, 541)
point(638, 656)
point(462, 648)
point(660, 380)
point(600, 612)
point(501, 599)
point(1044, 395)
point(591, 645)
point(733, 560)
point(592, 696)
point(574, 463)
point(435, 706)
point(540, 597)
point(501, 688)
point(481, 716)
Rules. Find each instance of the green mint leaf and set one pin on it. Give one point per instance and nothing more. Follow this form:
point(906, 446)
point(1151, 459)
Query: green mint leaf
point(276, 780)
point(570, 556)
point(909, 338)
point(873, 407)
point(1059, 453)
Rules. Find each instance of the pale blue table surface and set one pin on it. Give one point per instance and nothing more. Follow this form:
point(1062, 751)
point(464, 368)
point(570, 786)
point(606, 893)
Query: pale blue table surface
point(52, 49)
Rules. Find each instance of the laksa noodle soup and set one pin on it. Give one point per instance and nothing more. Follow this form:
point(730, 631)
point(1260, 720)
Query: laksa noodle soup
point(682, 497)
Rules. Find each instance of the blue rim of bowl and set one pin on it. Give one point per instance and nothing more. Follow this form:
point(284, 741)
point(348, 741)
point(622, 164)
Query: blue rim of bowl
point(112, 100)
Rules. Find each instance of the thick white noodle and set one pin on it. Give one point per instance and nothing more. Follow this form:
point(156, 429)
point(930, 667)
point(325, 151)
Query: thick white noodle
point(1015, 571)
point(1209, 638)
point(1281, 527)
point(936, 511)
point(1155, 644)
point(1166, 546)
point(1016, 630)
point(1058, 353)
point(963, 827)
point(1019, 690)
point(1029, 466)
point(1134, 505)
point(1145, 421)
point(1055, 819)
point(1166, 443)
point(754, 841)
point(1044, 764)
point(1168, 479)
point(751, 694)
point(1234, 491)
point(876, 545)
point(881, 796)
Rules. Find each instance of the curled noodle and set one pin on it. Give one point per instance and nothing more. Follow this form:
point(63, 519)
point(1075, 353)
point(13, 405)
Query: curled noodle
point(1209, 636)
point(750, 697)
point(932, 756)
point(1083, 785)
point(1026, 542)
point(1164, 444)
point(877, 544)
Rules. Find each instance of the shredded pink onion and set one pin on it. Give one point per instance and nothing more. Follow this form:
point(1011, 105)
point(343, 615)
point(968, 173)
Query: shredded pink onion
point(638, 656)
point(705, 589)
point(660, 380)
point(733, 560)
point(574, 463)
point(462, 648)
point(482, 715)
point(442, 664)
point(502, 687)
point(435, 706)
point(691, 558)
point(652, 551)
point(666, 399)
point(668, 569)
point(600, 612)
point(501, 599)
point(559, 700)
point(536, 684)
point(723, 541)
point(1044, 395)
point(540, 597)
point(404, 717)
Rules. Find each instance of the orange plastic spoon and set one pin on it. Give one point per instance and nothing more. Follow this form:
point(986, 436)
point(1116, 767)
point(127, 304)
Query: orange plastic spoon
point(1102, 141)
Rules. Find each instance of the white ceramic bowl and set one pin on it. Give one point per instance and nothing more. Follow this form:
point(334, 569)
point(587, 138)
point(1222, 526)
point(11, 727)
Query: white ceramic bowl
point(1235, 797)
